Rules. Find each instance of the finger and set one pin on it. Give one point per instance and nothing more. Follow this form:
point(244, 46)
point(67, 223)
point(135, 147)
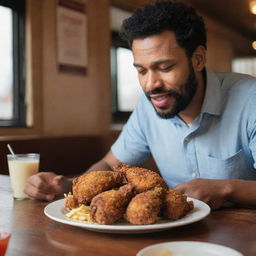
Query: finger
point(58, 179)
point(38, 187)
point(61, 184)
point(181, 188)
point(38, 183)
point(35, 193)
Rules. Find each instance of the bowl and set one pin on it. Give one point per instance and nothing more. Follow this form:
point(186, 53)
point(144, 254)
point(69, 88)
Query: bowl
point(187, 248)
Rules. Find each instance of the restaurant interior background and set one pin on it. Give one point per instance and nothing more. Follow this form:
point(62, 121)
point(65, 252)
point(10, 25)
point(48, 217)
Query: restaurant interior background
point(69, 116)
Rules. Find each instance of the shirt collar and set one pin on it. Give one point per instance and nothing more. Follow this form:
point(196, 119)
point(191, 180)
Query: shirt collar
point(212, 100)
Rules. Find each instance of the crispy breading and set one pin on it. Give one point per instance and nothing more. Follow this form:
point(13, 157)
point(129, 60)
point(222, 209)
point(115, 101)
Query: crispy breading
point(109, 206)
point(70, 202)
point(144, 207)
point(142, 179)
point(176, 205)
point(88, 185)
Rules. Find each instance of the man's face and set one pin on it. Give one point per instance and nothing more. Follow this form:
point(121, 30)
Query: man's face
point(165, 73)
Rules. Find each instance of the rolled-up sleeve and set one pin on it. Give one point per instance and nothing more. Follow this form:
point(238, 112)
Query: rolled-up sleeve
point(131, 146)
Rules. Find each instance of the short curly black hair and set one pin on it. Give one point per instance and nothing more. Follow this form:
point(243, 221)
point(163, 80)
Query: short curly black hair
point(187, 25)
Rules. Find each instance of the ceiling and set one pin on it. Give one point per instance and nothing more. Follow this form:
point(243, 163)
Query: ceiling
point(231, 13)
point(234, 14)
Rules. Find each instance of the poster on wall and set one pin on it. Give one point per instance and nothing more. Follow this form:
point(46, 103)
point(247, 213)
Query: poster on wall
point(71, 37)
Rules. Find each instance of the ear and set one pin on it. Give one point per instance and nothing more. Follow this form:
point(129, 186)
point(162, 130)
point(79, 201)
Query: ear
point(199, 58)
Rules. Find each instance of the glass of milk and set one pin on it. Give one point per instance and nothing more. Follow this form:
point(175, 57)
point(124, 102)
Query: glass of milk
point(21, 166)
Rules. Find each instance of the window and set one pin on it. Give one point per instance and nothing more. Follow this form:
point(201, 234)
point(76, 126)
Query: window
point(245, 65)
point(125, 85)
point(12, 81)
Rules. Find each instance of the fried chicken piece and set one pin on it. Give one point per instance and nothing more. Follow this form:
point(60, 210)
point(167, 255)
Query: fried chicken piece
point(144, 207)
point(142, 179)
point(176, 205)
point(88, 185)
point(109, 206)
point(70, 202)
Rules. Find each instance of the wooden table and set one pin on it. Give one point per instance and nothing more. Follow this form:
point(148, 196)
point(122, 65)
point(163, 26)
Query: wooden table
point(35, 234)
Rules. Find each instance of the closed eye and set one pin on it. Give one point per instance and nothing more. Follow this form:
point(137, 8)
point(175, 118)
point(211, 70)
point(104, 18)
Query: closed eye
point(166, 69)
point(142, 71)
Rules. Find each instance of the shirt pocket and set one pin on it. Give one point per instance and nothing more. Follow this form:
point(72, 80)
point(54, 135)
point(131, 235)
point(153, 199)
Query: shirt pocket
point(233, 167)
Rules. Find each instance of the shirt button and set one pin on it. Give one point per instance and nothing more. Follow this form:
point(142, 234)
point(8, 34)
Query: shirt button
point(193, 175)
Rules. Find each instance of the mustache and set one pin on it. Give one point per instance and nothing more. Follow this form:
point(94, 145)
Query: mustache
point(170, 92)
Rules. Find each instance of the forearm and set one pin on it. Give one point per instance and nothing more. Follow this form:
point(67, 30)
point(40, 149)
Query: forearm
point(242, 192)
point(106, 163)
point(101, 165)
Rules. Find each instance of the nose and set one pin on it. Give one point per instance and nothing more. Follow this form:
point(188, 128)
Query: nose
point(153, 81)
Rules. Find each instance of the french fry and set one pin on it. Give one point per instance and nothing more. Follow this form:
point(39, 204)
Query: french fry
point(80, 213)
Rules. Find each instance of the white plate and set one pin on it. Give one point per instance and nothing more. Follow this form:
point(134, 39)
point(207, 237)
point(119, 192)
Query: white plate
point(56, 211)
point(187, 248)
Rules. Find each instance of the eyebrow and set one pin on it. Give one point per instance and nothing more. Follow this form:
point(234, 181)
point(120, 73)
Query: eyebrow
point(155, 62)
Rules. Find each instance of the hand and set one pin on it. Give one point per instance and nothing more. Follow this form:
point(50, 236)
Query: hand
point(212, 192)
point(46, 186)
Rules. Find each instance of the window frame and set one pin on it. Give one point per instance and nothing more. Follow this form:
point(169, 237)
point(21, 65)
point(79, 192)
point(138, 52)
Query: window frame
point(19, 105)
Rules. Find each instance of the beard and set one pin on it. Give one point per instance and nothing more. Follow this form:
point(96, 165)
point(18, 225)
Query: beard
point(182, 100)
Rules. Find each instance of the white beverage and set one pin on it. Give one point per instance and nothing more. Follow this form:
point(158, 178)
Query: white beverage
point(20, 168)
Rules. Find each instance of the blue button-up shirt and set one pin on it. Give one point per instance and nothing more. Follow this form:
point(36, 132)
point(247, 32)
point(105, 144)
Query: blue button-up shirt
point(220, 143)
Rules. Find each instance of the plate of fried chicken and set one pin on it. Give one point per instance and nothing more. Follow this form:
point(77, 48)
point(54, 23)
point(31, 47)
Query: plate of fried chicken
point(127, 199)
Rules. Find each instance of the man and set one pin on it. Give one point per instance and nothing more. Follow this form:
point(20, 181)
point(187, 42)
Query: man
point(199, 126)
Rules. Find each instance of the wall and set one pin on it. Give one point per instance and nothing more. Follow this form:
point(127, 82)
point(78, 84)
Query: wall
point(66, 104)
point(63, 155)
point(73, 104)
point(219, 54)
